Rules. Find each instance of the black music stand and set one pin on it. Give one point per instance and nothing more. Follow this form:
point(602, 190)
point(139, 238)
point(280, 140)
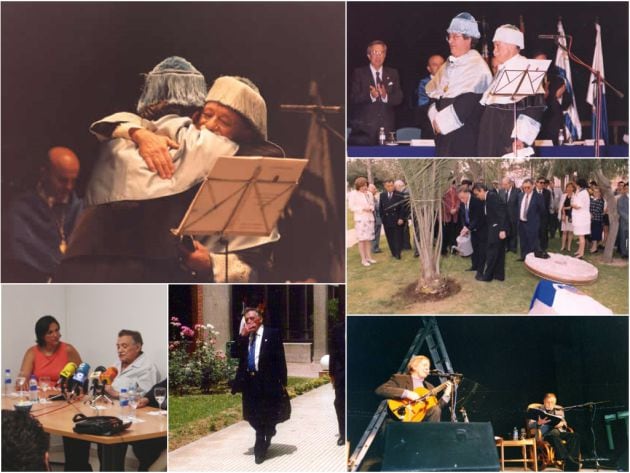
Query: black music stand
point(520, 83)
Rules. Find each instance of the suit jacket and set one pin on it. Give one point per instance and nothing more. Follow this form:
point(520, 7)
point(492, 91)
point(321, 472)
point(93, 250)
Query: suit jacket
point(511, 203)
point(393, 209)
point(272, 365)
point(476, 216)
point(536, 210)
point(546, 194)
point(496, 216)
point(396, 386)
point(368, 116)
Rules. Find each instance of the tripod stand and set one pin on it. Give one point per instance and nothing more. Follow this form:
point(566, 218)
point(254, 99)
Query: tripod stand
point(592, 407)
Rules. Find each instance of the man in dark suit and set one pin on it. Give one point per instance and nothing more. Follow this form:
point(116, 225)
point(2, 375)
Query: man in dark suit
point(509, 194)
point(541, 189)
point(531, 208)
point(261, 377)
point(495, 211)
point(392, 209)
point(374, 93)
point(402, 386)
point(473, 219)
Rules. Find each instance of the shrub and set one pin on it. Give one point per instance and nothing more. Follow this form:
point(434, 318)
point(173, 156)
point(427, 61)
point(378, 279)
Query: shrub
point(194, 360)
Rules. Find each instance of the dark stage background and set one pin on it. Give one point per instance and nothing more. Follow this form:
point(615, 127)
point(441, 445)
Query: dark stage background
point(415, 31)
point(65, 65)
point(509, 361)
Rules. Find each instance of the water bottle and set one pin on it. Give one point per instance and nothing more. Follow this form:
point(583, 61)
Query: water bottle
point(561, 137)
point(124, 404)
point(515, 434)
point(7, 382)
point(381, 136)
point(522, 434)
point(33, 389)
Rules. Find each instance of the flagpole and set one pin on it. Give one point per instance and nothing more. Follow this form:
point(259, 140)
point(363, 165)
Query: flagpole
point(600, 81)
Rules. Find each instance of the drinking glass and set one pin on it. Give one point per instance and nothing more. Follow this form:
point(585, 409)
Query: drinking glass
point(134, 399)
point(160, 396)
point(44, 385)
point(20, 387)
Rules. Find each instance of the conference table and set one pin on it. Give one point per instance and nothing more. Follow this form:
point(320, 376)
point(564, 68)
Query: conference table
point(56, 418)
point(406, 151)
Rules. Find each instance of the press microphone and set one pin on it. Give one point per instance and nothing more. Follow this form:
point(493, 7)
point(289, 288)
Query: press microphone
point(551, 36)
point(443, 374)
point(65, 376)
point(108, 376)
point(80, 380)
point(95, 376)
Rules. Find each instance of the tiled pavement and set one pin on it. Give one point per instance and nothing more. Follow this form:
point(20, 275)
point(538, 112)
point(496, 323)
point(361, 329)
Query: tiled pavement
point(306, 442)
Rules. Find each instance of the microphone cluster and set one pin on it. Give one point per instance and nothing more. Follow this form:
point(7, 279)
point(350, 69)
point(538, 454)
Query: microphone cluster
point(75, 380)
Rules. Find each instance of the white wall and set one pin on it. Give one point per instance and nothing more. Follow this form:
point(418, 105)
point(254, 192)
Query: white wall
point(90, 318)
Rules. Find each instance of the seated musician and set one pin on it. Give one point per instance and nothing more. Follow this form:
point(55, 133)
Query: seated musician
point(406, 386)
point(567, 453)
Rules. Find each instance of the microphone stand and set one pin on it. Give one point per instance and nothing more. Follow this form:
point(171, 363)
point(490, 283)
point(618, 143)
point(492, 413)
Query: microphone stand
point(592, 407)
point(598, 94)
point(456, 378)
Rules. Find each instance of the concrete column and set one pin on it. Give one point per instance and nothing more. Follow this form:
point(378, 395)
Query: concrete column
point(320, 322)
point(216, 311)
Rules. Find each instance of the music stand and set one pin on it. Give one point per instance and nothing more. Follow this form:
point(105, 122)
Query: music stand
point(521, 83)
point(241, 196)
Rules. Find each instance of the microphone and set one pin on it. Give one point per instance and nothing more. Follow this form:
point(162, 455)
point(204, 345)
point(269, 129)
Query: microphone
point(551, 36)
point(80, 379)
point(65, 375)
point(108, 376)
point(446, 375)
point(95, 377)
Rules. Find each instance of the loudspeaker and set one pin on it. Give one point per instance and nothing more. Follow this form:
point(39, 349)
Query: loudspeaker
point(445, 446)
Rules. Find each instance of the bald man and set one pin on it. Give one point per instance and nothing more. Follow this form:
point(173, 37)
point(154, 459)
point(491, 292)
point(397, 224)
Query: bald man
point(40, 221)
point(433, 65)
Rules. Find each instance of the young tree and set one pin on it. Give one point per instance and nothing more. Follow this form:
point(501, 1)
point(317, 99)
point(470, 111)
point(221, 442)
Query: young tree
point(427, 180)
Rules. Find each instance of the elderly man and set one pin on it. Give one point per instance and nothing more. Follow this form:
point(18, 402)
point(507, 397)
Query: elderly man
point(261, 377)
point(405, 386)
point(402, 188)
point(456, 89)
point(423, 101)
point(531, 210)
point(557, 435)
point(126, 236)
point(509, 194)
point(374, 94)
point(473, 220)
point(391, 207)
point(135, 371)
point(498, 134)
point(496, 232)
point(40, 221)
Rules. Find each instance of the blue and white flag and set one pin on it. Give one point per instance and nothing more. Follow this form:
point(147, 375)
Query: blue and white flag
point(591, 98)
point(572, 126)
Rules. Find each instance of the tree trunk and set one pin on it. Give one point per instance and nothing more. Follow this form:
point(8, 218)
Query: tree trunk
point(613, 215)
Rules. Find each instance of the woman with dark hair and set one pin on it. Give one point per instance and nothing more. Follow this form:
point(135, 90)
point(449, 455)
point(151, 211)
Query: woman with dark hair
point(581, 215)
point(50, 354)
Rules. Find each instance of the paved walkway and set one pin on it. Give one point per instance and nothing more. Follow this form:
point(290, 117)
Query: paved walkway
point(306, 442)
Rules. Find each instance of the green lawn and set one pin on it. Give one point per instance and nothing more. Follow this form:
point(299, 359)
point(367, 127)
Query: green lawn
point(195, 415)
point(374, 290)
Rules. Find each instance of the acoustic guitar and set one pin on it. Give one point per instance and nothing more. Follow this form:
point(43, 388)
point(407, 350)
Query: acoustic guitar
point(406, 410)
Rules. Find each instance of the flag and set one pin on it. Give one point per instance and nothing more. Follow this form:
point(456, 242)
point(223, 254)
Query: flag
point(572, 126)
point(591, 94)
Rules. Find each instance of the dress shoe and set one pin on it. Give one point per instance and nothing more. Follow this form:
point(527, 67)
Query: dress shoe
point(378, 250)
point(416, 255)
point(471, 269)
point(479, 277)
point(365, 263)
point(259, 458)
point(371, 261)
point(397, 257)
point(341, 441)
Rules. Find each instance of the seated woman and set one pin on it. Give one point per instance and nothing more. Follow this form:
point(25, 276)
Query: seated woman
point(50, 355)
point(129, 240)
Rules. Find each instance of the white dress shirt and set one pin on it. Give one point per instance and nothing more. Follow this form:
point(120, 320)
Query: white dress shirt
point(141, 373)
point(258, 335)
point(380, 73)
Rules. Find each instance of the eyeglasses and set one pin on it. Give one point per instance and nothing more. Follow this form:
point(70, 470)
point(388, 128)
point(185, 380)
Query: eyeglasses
point(540, 182)
point(377, 53)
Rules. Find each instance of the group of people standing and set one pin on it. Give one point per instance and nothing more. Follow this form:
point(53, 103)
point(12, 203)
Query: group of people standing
point(457, 104)
point(494, 218)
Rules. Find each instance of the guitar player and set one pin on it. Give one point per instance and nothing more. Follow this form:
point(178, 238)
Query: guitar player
point(405, 386)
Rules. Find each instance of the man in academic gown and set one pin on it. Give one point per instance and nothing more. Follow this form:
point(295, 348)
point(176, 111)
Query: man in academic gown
point(497, 129)
point(456, 89)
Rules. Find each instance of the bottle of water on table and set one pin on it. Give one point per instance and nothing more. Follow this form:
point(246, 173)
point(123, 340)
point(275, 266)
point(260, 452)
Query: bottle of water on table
point(33, 389)
point(7, 383)
point(124, 404)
